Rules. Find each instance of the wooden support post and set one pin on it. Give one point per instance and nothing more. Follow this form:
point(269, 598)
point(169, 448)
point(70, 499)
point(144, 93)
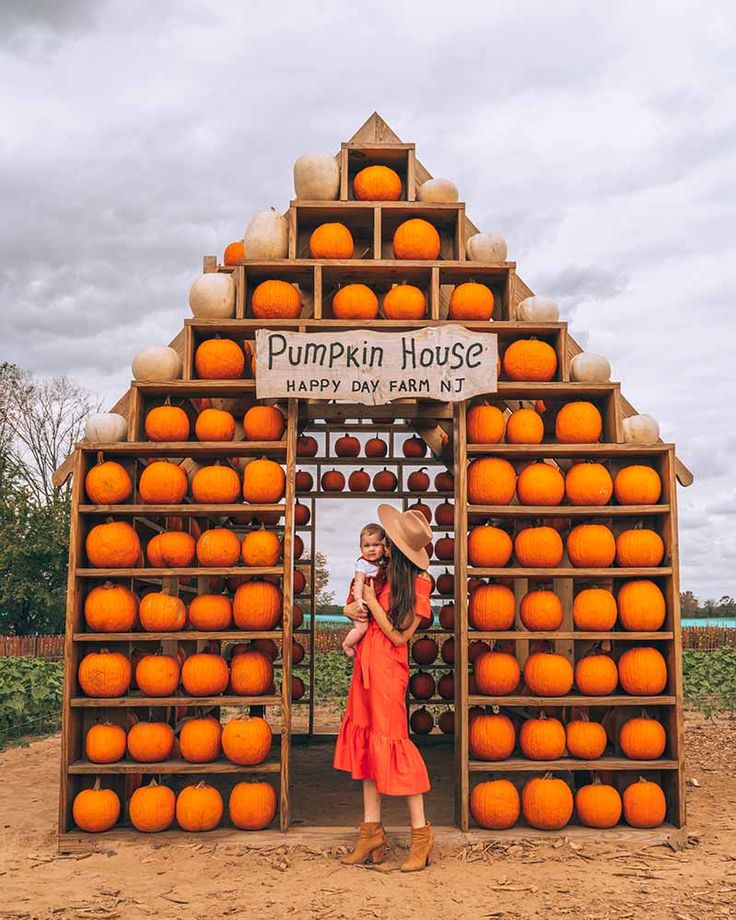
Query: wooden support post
point(318, 292)
point(377, 242)
point(240, 280)
point(411, 178)
point(461, 616)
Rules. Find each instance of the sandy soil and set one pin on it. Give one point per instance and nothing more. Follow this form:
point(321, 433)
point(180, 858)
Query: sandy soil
point(557, 878)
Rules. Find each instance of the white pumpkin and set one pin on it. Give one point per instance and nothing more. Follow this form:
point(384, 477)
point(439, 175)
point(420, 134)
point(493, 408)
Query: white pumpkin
point(589, 368)
point(212, 296)
point(317, 177)
point(439, 190)
point(641, 429)
point(486, 247)
point(106, 427)
point(538, 310)
point(156, 363)
point(267, 236)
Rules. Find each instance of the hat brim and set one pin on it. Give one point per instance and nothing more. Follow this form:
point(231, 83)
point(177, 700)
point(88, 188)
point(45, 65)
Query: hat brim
point(390, 519)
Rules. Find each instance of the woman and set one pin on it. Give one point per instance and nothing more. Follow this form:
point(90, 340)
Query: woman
point(373, 743)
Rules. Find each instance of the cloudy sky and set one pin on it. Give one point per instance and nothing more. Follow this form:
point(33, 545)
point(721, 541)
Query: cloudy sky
point(598, 139)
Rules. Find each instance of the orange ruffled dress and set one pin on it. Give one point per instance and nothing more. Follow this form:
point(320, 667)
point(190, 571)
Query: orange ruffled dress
point(373, 742)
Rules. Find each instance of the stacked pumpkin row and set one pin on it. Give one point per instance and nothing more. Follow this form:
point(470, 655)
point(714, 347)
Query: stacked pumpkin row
point(494, 481)
point(164, 482)
point(547, 803)
point(197, 807)
point(422, 721)
point(349, 446)
point(638, 606)
point(256, 605)
point(171, 423)
point(639, 671)
point(109, 675)
point(493, 737)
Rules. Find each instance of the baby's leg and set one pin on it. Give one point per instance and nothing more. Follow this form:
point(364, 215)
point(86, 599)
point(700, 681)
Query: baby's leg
point(353, 638)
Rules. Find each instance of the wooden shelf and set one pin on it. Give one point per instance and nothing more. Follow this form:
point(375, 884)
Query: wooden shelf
point(117, 702)
point(185, 448)
point(183, 388)
point(184, 572)
point(572, 451)
point(516, 764)
point(570, 572)
point(503, 328)
point(85, 767)
point(380, 462)
point(571, 699)
point(494, 511)
point(186, 510)
point(523, 635)
point(236, 635)
point(374, 495)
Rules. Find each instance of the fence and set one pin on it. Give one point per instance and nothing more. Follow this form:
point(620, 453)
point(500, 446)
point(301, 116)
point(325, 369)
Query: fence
point(32, 646)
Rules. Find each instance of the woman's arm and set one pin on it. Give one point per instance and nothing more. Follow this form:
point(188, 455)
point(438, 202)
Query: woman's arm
point(353, 611)
point(397, 636)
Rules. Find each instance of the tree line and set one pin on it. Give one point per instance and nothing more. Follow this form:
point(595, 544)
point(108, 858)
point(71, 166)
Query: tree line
point(691, 607)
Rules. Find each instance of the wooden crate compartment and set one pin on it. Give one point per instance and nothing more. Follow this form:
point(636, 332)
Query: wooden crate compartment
point(447, 219)
point(399, 157)
point(362, 219)
point(380, 279)
point(499, 278)
point(300, 275)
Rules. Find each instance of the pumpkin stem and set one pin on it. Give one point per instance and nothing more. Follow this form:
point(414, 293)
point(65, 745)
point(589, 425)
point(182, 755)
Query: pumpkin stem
point(98, 783)
point(100, 458)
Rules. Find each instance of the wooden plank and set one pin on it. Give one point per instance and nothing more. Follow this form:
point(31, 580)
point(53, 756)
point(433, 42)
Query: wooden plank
point(460, 471)
point(572, 699)
point(182, 573)
point(84, 702)
point(521, 764)
point(209, 264)
point(586, 511)
point(186, 510)
point(234, 635)
point(240, 291)
point(522, 634)
point(512, 572)
point(187, 448)
point(411, 178)
point(86, 768)
point(377, 252)
point(569, 451)
point(318, 288)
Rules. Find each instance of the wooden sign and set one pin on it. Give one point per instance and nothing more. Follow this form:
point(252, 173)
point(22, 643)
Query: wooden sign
point(448, 363)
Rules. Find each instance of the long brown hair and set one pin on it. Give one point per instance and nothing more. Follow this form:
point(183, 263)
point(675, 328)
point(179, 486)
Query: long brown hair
point(401, 574)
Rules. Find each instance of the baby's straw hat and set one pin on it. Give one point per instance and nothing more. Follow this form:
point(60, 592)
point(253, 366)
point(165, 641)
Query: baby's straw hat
point(408, 531)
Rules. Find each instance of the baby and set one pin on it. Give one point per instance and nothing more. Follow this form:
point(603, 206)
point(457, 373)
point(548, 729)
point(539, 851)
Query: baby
point(368, 566)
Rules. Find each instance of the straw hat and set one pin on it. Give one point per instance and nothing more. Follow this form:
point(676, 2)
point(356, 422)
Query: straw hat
point(409, 531)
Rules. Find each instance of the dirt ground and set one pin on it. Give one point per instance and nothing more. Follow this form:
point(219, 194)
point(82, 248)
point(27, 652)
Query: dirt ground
point(518, 879)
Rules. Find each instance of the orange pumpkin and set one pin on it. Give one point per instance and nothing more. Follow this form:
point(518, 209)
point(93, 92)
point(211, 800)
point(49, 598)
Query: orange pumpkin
point(642, 671)
point(251, 673)
point(548, 674)
point(246, 741)
point(594, 610)
point(167, 423)
point(489, 547)
point(218, 547)
point(199, 740)
point(471, 301)
point(105, 743)
point(214, 425)
point(598, 805)
point(591, 546)
point(377, 183)
point(211, 612)
point(524, 426)
point(96, 810)
point(586, 740)
point(642, 738)
point(262, 548)
point(639, 547)
point(416, 239)
point(204, 674)
point(160, 612)
point(540, 484)
point(219, 359)
point(263, 423)
point(491, 607)
point(171, 549)
point(162, 483)
point(485, 425)
point(199, 807)
point(644, 804)
point(491, 737)
point(215, 485)
point(252, 805)
point(257, 605)
point(276, 300)
point(588, 484)
point(530, 359)
point(152, 808)
point(642, 607)
point(264, 482)
point(110, 608)
point(596, 675)
point(157, 675)
point(546, 803)
point(114, 545)
point(637, 485)
point(495, 804)
point(104, 674)
point(542, 738)
point(491, 481)
point(538, 547)
point(331, 241)
point(150, 742)
point(107, 483)
point(404, 301)
point(496, 673)
point(234, 253)
point(578, 423)
point(355, 301)
point(541, 611)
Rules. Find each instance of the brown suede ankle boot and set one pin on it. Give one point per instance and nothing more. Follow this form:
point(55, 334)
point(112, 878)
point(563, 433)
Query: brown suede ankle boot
point(422, 841)
point(371, 845)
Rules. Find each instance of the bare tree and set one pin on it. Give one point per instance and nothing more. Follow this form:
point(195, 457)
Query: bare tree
point(40, 421)
point(322, 597)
